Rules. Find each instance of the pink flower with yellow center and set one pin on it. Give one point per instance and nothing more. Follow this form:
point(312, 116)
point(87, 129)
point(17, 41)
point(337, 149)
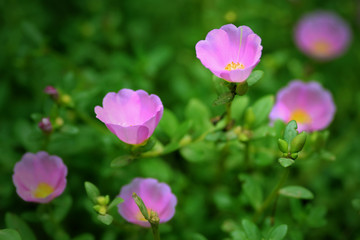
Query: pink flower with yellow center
point(309, 104)
point(131, 115)
point(322, 35)
point(231, 52)
point(39, 177)
point(156, 197)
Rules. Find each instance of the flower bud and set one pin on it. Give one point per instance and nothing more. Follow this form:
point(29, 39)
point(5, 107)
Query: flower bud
point(283, 145)
point(45, 125)
point(103, 200)
point(52, 92)
point(294, 156)
point(298, 142)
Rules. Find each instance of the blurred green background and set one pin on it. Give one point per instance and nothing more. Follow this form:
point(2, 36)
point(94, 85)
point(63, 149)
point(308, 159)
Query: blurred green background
point(88, 48)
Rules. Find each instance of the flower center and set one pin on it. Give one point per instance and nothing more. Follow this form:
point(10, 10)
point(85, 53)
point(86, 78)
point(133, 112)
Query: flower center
point(43, 190)
point(234, 66)
point(300, 116)
point(140, 217)
point(321, 48)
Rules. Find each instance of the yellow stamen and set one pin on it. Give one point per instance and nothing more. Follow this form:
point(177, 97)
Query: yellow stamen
point(300, 116)
point(43, 190)
point(234, 66)
point(321, 48)
point(140, 217)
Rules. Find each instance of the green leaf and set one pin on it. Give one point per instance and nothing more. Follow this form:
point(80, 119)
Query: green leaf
point(238, 235)
point(298, 142)
point(9, 234)
point(277, 233)
point(283, 145)
point(261, 109)
point(290, 131)
point(356, 204)
point(115, 202)
point(223, 99)
point(251, 230)
point(252, 191)
point(286, 162)
point(141, 205)
point(15, 222)
point(168, 123)
point(182, 130)
point(105, 219)
point(238, 107)
point(296, 192)
point(121, 161)
point(199, 152)
point(62, 206)
point(254, 77)
point(92, 191)
point(84, 236)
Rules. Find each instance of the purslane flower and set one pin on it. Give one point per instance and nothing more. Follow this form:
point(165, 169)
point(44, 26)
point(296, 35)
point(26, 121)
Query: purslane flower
point(156, 197)
point(309, 104)
point(231, 52)
point(131, 115)
point(39, 177)
point(322, 35)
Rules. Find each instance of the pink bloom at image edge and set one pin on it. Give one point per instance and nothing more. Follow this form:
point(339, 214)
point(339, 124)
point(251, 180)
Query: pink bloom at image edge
point(309, 104)
point(322, 35)
point(231, 52)
point(156, 196)
point(131, 115)
point(39, 177)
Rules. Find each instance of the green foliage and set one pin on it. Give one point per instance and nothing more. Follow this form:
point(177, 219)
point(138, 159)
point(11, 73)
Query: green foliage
point(15, 222)
point(9, 234)
point(296, 192)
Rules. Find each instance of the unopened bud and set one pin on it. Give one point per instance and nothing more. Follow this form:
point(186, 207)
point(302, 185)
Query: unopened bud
point(52, 92)
point(294, 156)
point(100, 209)
point(45, 125)
point(283, 145)
point(298, 142)
point(103, 200)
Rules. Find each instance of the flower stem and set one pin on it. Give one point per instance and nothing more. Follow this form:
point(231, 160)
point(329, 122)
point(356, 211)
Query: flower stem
point(228, 115)
point(273, 195)
point(155, 231)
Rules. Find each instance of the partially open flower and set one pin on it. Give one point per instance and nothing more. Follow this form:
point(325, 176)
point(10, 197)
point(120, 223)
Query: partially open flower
point(322, 35)
point(230, 52)
point(39, 177)
point(45, 125)
point(131, 115)
point(309, 104)
point(156, 197)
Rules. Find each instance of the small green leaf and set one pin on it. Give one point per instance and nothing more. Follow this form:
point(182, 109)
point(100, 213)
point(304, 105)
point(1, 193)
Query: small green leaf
point(9, 234)
point(105, 219)
point(254, 77)
point(296, 192)
point(238, 107)
point(242, 88)
point(169, 123)
point(283, 145)
point(199, 152)
point(121, 161)
point(15, 222)
point(252, 191)
point(92, 191)
point(278, 233)
point(141, 205)
point(261, 109)
point(298, 142)
point(286, 162)
point(251, 230)
point(62, 206)
point(223, 99)
point(290, 131)
point(356, 204)
point(115, 202)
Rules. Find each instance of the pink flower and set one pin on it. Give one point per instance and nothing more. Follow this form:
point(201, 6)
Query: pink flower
point(156, 196)
point(310, 105)
point(322, 35)
point(131, 115)
point(230, 53)
point(39, 177)
point(45, 125)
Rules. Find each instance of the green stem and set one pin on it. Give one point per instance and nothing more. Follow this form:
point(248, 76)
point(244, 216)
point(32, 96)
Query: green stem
point(273, 195)
point(155, 231)
point(247, 155)
point(228, 115)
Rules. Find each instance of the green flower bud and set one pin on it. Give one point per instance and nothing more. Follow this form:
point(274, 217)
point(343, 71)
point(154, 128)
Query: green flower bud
point(103, 200)
point(100, 209)
point(242, 88)
point(283, 145)
point(294, 156)
point(298, 142)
